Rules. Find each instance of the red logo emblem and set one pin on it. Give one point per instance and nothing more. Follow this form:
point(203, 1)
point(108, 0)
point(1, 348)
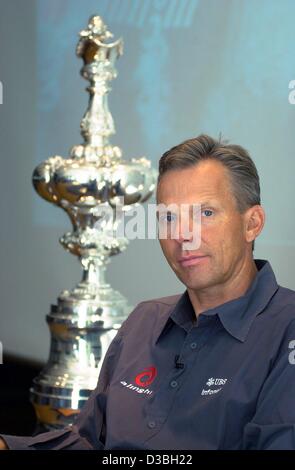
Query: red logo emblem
point(146, 377)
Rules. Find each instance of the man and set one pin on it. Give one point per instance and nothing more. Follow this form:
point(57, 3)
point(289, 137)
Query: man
point(212, 368)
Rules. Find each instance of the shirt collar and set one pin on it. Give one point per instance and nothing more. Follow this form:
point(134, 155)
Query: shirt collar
point(237, 315)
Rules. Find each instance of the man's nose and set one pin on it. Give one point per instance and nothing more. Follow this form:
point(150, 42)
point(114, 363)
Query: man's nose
point(186, 229)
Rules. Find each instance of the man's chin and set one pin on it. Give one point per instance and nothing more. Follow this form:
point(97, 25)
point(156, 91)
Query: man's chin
point(195, 281)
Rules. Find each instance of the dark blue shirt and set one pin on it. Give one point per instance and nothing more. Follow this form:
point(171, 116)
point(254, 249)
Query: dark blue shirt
point(169, 381)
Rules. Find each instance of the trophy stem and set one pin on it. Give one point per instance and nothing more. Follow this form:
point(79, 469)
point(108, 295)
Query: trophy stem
point(97, 124)
point(94, 273)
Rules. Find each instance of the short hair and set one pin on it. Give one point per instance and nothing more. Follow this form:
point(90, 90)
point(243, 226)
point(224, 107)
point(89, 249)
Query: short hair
point(242, 171)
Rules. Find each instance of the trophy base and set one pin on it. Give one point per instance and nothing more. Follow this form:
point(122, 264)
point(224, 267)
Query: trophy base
point(81, 332)
point(56, 406)
point(54, 418)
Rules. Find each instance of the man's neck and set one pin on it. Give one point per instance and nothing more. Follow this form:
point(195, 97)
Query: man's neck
point(211, 297)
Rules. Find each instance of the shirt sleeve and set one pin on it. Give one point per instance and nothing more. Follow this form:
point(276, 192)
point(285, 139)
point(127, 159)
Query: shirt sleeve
point(88, 430)
point(273, 425)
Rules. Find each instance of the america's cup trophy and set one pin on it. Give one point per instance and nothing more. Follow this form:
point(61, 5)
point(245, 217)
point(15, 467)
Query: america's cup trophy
point(87, 185)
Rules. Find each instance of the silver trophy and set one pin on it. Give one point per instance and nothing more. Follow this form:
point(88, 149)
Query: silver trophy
point(88, 184)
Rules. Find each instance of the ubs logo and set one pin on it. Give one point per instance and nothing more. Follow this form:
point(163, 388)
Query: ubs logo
point(146, 377)
point(213, 382)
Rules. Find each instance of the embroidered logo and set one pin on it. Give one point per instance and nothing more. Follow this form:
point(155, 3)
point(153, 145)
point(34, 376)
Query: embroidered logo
point(143, 379)
point(213, 382)
point(146, 377)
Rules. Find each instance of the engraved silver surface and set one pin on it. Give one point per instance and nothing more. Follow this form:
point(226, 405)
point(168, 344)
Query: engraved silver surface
point(93, 177)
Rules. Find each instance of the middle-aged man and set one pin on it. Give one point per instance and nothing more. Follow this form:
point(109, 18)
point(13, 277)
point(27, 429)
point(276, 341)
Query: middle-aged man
point(213, 368)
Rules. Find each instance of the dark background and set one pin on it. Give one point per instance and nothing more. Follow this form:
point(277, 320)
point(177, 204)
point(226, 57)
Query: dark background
point(17, 415)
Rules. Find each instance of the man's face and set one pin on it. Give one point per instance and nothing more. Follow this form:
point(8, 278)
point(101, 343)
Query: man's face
point(223, 247)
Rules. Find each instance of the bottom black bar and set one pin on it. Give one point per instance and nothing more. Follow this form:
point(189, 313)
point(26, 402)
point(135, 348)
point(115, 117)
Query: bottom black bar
point(139, 459)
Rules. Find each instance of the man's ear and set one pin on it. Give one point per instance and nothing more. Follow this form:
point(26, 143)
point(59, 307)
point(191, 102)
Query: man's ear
point(254, 222)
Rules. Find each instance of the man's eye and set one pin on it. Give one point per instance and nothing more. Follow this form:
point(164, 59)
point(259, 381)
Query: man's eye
point(167, 217)
point(207, 212)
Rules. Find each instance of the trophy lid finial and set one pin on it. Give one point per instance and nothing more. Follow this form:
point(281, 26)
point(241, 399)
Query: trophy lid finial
point(94, 39)
point(96, 29)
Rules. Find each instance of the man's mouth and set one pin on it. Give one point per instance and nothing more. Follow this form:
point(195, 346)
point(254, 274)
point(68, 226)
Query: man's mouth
point(192, 260)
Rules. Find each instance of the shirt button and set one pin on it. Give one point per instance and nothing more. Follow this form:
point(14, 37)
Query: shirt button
point(151, 424)
point(173, 383)
point(193, 345)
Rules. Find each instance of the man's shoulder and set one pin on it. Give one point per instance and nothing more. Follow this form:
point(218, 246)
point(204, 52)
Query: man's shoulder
point(168, 301)
point(285, 299)
point(281, 311)
point(152, 313)
point(158, 306)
